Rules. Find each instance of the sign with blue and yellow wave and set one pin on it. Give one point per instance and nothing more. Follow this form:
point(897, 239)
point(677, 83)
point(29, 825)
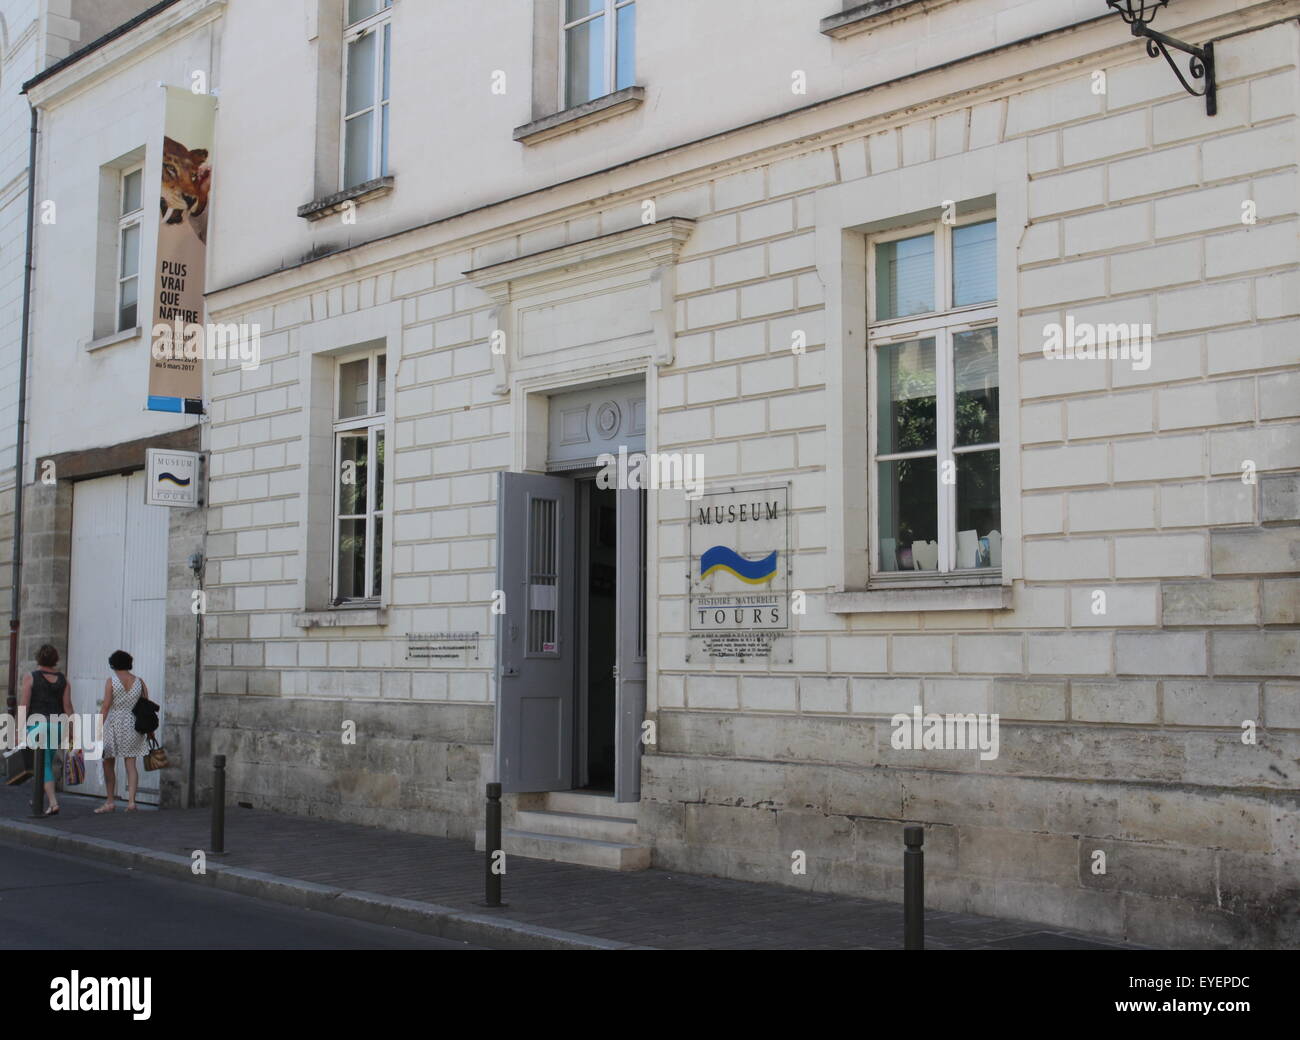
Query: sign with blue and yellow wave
point(725, 558)
point(739, 571)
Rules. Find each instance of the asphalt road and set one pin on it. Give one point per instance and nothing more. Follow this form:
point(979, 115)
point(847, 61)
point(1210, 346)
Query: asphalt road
point(50, 901)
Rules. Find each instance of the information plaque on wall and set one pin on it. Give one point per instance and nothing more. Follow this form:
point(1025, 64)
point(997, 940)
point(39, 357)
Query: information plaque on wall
point(442, 646)
point(738, 594)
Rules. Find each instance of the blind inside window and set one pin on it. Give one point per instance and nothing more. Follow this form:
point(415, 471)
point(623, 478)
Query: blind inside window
point(974, 264)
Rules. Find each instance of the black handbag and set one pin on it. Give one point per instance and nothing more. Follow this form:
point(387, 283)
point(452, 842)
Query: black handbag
point(146, 716)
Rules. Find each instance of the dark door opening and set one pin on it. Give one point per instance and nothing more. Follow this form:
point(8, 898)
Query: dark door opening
point(597, 598)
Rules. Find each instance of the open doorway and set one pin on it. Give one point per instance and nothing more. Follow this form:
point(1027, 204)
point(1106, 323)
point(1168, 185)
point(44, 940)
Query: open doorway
point(572, 646)
point(597, 582)
point(571, 643)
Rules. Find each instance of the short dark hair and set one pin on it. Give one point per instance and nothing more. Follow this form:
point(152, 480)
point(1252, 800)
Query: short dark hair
point(47, 656)
point(120, 661)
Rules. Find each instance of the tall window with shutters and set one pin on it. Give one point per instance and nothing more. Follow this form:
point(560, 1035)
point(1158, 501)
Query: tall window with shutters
point(360, 390)
point(935, 454)
point(368, 44)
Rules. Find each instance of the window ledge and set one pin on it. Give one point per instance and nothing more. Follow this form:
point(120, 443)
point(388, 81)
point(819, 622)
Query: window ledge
point(572, 119)
point(904, 599)
point(872, 15)
point(342, 617)
point(125, 336)
point(318, 209)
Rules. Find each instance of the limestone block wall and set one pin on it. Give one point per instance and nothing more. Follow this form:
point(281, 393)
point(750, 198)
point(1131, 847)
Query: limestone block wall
point(1120, 732)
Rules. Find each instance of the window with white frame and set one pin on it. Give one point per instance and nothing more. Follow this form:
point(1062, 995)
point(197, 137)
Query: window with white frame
point(598, 48)
point(932, 344)
point(129, 212)
point(368, 44)
point(359, 464)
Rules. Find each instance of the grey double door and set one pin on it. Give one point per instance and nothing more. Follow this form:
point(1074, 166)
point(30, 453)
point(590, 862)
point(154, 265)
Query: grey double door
point(541, 654)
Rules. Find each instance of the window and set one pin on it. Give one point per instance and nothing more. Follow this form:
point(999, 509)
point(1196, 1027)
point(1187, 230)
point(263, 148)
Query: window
point(598, 45)
point(129, 212)
point(367, 41)
point(359, 466)
point(932, 346)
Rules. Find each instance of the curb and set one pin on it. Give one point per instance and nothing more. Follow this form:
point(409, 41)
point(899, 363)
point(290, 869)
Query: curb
point(444, 922)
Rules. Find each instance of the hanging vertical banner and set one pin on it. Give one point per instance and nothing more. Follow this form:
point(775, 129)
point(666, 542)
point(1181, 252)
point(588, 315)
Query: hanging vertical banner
point(177, 333)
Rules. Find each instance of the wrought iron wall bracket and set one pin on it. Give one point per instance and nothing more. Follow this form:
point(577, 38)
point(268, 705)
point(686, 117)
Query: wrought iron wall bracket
point(1200, 62)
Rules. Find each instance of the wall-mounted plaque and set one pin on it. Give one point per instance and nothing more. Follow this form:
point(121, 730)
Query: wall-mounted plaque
point(739, 581)
point(442, 646)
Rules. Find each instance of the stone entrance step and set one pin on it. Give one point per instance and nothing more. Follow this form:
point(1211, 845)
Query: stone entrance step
point(587, 852)
point(573, 827)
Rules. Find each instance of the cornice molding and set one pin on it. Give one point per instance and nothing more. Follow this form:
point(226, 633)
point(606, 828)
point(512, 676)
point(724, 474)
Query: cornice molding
point(125, 51)
point(647, 246)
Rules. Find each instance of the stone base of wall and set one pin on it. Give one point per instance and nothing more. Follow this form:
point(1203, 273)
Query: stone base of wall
point(415, 767)
point(1207, 862)
point(1210, 863)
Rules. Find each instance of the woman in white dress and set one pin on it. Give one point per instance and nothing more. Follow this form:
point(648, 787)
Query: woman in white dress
point(120, 737)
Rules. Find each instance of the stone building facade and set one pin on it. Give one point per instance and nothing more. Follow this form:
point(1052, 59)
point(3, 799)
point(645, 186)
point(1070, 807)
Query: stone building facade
point(857, 233)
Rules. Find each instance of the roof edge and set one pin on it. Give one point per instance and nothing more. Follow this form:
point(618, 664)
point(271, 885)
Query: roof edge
point(95, 45)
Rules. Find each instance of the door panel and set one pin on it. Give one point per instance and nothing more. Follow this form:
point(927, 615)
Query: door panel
point(117, 599)
point(631, 653)
point(144, 602)
point(94, 601)
point(535, 639)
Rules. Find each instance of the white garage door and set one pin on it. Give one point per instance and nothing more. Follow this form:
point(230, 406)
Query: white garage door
point(118, 600)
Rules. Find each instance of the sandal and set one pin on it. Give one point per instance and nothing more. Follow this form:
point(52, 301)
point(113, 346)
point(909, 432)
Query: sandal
point(104, 809)
point(132, 808)
point(52, 812)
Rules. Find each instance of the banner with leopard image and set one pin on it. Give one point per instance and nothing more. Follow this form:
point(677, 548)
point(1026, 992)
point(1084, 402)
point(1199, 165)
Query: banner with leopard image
point(177, 333)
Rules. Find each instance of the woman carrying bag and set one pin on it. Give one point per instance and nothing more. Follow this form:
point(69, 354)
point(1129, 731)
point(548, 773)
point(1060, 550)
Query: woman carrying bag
point(126, 698)
point(48, 694)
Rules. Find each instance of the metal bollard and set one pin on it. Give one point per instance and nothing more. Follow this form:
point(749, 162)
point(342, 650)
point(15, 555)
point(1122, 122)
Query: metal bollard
point(218, 804)
point(913, 888)
point(492, 844)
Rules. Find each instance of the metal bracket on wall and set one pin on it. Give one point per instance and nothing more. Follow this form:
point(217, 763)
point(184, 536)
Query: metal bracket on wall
point(1200, 62)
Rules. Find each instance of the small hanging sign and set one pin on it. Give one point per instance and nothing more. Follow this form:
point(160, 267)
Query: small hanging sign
point(173, 478)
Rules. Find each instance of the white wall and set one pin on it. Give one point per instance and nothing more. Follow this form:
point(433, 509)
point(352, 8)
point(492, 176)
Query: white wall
point(87, 399)
point(20, 58)
point(452, 148)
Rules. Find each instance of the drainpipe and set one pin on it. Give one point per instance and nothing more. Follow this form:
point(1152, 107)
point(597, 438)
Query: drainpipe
point(196, 565)
point(11, 699)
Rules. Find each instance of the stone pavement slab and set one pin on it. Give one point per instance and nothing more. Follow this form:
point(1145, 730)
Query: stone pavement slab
point(436, 885)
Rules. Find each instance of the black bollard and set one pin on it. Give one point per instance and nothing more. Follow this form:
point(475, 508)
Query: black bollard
point(913, 888)
point(492, 844)
point(218, 804)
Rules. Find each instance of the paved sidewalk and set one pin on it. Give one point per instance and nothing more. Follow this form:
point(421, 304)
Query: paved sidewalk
point(435, 885)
